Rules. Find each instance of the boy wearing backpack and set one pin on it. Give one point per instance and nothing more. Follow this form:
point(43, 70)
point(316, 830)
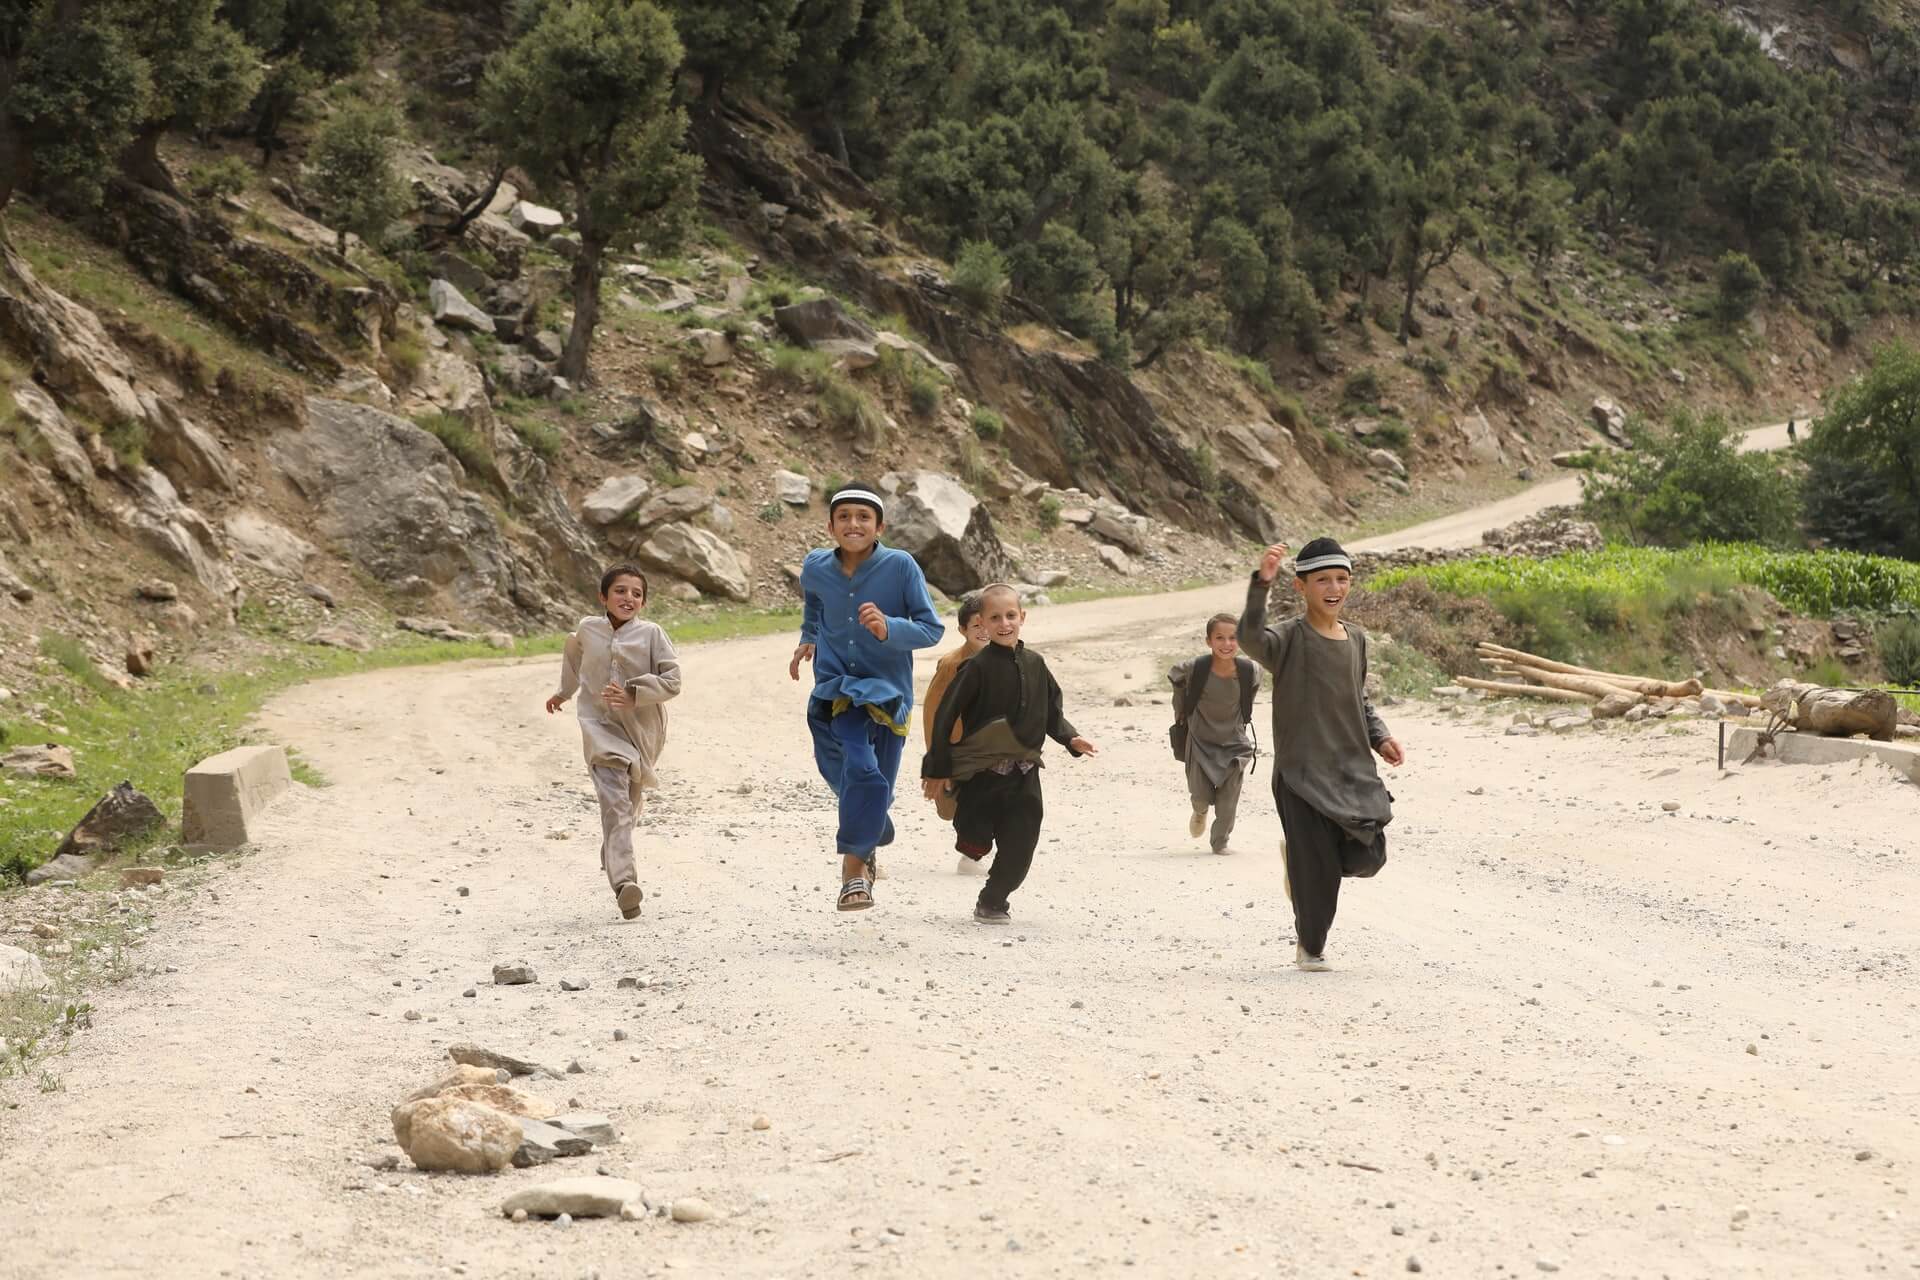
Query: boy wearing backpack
point(1213, 711)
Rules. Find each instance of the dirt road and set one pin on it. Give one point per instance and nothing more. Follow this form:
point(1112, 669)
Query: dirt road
point(1567, 1029)
point(1464, 528)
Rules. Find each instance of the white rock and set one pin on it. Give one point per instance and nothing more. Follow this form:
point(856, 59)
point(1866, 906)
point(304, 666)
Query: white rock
point(713, 346)
point(616, 498)
point(585, 1197)
point(1115, 559)
point(536, 220)
point(268, 546)
point(698, 556)
point(451, 308)
point(1052, 578)
point(792, 488)
point(693, 1209)
point(20, 971)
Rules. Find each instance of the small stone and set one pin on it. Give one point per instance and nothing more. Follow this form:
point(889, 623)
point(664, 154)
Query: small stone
point(575, 1069)
point(564, 1220)
point(1863, 1155)
point(1670, 806)
point(514, 975)
point(569, 1198)
point(1078, 1004)
point(518, 1215)
point(626, 984)
point(595, 1128)
point(692, 1209)
point(1413, 1262)
point(1583, 1133)
point(574, 984)
point(1546, 1264)
point(462, 891)
point(1741, 1213)
point(1753, 1049)
point(412, 1015)
point(470, 993)
point(619, 1034)
point(761, 1124)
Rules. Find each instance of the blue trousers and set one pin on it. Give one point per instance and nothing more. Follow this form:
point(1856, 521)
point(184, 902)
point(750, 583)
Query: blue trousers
point(859, 757)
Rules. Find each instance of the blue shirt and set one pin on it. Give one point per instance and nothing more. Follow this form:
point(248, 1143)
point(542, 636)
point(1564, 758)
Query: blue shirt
point(848, 662)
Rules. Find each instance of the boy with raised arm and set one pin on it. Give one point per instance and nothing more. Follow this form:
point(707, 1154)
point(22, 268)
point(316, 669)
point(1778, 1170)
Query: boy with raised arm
point(1333, 806)
point(867, 609)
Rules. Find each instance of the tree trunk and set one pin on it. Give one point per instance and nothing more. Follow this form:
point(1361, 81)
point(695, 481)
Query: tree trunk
point(141, 162)
point(1489, 651)
point(458, 227)
point(1834, 713)
point(586, 308)
point(1406, 307)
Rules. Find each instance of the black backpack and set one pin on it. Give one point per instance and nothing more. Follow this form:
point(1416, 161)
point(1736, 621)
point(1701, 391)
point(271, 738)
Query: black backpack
point(1189, 698)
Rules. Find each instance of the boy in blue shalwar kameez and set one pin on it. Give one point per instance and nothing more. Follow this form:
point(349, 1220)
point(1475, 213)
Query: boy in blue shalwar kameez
point(867, 609)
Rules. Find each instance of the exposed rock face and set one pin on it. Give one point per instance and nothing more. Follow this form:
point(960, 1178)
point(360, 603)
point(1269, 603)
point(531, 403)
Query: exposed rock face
point(158, 518)
point(49, 435)
point(689, 552)
point(188, 454)
point(820, 320)
point(1130, 531)
point(933, 518)
point(683, 502)
point(265, 545)
point(389, 494)
point(68, 346)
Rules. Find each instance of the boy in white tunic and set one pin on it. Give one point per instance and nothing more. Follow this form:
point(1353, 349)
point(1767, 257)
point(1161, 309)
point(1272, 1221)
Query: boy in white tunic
point(630, 669)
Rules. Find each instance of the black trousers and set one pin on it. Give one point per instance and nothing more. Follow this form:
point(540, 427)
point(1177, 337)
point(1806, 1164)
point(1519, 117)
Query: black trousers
point(1320, 854)
point(1003, 809)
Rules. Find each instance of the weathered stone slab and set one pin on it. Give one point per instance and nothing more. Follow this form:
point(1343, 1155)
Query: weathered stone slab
point(224, 794)
point(1811, 748)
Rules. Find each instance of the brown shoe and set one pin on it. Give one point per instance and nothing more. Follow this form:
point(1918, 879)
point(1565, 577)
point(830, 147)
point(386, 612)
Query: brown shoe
point(629, 898)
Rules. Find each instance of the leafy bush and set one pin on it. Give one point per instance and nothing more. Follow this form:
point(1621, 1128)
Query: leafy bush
point(227, 176)
point(1691, 485)
point(1863, 481)
point(1737, 286)
point(1899, 642)
point(406, 353)
point(987, 424)
point(666, 372)
point(127, 438)
point(1393, 433)
point(980, 277)
point(1361, 387)
point(1818, 583)
point(1050, 512)
point(1206, 466)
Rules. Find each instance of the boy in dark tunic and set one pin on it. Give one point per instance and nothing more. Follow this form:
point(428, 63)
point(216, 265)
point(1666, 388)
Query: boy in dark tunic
point(1008, 704)
point(1333, 806)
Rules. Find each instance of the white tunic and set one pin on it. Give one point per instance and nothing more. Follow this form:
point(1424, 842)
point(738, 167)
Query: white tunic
point(639, 658)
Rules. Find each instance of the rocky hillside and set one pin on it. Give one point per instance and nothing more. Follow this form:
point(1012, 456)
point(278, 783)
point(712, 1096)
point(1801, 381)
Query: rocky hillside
point(217, 418)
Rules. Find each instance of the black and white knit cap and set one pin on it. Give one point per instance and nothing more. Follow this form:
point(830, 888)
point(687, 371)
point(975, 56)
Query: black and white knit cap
point(865, 495)
point(1321, 553)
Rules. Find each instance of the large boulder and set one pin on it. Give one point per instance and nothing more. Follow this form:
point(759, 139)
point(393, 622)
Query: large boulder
point(616, 498)
point(1387, 460)
point(50, 760)
point(536, 220)
point(792, 488)
point(169, 526)
point(1609, 418)
point(818, 321)
point(267, 546)
point(187, 452)
point(689, 552)
point(933, 518)
point(456, 1135)
point(1129, 530)
point(389, 495)
point(452, 310)
point(682, 502)
point(1483, 442)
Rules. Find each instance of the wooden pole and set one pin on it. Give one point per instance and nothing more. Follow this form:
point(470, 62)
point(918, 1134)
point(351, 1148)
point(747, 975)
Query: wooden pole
point(1525, 690)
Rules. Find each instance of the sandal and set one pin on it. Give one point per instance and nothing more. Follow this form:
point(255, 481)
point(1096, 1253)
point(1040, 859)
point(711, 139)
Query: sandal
point(856, 888)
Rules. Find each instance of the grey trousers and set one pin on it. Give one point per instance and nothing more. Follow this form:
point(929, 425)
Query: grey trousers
point(1224, 799)
point(617, 812)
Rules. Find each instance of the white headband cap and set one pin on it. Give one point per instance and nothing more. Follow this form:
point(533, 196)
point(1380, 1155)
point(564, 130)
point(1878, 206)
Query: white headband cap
point(1326, 560)
point(867, 496)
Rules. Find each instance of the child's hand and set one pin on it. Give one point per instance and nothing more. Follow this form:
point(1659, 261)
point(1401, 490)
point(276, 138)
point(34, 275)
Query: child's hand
point(555, 703)
point(1390, 751)
point(932, 788)
point(873, 620)
point(616, 696)
point(1270, 563)
point(1084, 747)
point(803, 654)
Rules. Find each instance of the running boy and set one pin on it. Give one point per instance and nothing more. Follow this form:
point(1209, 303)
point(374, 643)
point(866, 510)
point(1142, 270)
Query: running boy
point(629, 667)
point(974, 631)
point(1213, 695)
point(867, 609)
point(1010, 706)
point(1333, 806)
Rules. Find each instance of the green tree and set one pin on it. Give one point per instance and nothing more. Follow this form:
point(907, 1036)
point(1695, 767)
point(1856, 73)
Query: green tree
point(583, 101)
point(736, 41)
point(353, 174)
point(332, 37)
point(1737, 286)
point(203, 73)
point(1690, 485)
point(73, 89)
point(850, 57)
point(1873, 425)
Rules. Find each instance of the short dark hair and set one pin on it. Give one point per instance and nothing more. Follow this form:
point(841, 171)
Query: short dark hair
point(1219, 618)
point(970, 606)
point(616, 572)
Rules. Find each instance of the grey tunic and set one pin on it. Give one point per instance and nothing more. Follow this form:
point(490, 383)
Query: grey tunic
point(1324, 728)
point(1217, 743)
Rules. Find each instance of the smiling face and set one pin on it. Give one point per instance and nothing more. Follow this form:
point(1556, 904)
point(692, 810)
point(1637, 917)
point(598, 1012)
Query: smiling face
point(1224, 639)
point(624, 597)
point(855, 527)
point(1002, 616)
point(976, 631)
point(1325, 591)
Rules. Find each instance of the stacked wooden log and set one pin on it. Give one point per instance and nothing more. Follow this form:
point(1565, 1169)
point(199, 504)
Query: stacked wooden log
point(1519, 674)
point(1834, 713)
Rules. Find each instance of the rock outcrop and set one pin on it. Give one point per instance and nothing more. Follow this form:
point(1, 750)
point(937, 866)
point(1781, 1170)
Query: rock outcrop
point(690, 552)
point(933, 518)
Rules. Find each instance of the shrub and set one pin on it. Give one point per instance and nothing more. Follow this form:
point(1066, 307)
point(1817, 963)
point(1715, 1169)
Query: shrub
point(1361, 387)
point(227, 176)
point(772, 513)
point(1900, 651)
point(462, 441)
point(1691, 485)
point(987, 424)
point(1205, 466)
point(665, 371)
point(799, 367)
point(1049, 512)
point(406, 354)
point(975, 469)
point(848, 407)
point(127, 437)
point(980, 277)
point(925, 391)
point(1737, 286)
point(1393, 433)
point(543, 438)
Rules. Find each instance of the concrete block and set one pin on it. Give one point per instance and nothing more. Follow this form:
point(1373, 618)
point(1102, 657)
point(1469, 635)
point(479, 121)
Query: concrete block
point(225, 793)
point(1811, 748)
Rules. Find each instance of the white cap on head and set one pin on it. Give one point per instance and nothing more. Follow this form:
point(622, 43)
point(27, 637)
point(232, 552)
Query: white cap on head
point(866, 497)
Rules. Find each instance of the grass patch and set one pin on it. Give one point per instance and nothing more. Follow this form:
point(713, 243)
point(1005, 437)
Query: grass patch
point(987, 424)
point(72, 657)
point(543, 438)
point(462, 441)
point(1404, 671)
point(801, 368)
point(849, 408)
point(975, 467)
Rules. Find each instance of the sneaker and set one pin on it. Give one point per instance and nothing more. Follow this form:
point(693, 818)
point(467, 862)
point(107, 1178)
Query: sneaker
point(1222, 849)
point(628, 895)
point(1197, 824)
point(971, 866)
point(1312, 964)
point(987, 915)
